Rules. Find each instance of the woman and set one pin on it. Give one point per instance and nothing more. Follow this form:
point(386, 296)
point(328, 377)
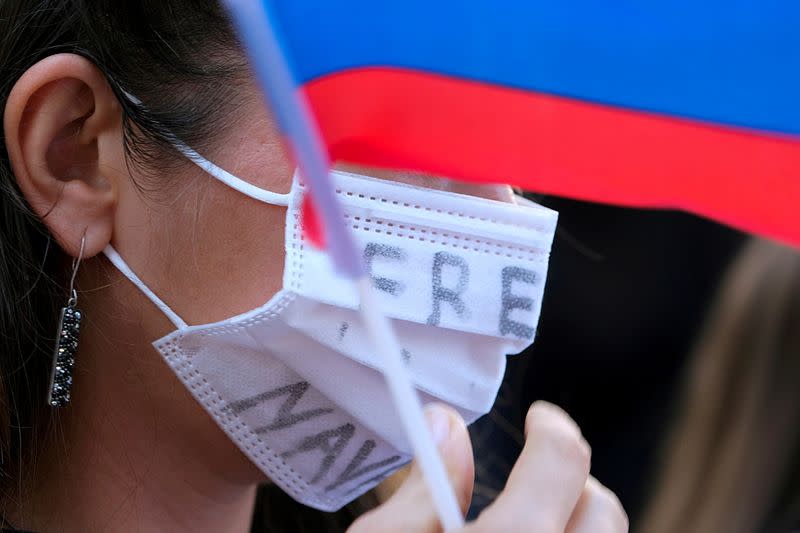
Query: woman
point(87, 166)
point(733, 462)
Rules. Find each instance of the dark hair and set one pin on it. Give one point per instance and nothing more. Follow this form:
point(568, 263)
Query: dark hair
point(178, 57)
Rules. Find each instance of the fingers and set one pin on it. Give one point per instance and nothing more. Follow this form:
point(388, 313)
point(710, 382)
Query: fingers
point(548, 479)
point(411, 508)
point(549, 489)
point(598, 511)
point(453, 442)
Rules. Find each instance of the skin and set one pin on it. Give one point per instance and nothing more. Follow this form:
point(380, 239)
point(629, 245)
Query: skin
point(140, 452)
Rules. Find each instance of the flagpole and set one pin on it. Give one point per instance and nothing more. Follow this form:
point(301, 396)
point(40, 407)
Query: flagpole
point(294, 118)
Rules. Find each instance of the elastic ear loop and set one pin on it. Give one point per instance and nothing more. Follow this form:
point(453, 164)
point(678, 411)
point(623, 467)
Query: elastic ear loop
point(248, 189)
point(230, 180)
point(123, 267)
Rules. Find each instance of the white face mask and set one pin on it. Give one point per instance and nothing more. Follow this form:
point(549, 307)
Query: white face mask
point(295, 383)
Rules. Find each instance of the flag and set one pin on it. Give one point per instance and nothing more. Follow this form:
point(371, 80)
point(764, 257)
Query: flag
point(680, 104)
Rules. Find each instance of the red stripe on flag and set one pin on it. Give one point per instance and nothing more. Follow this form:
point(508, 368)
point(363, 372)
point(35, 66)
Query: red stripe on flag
point(479, 132)
point(311, 224)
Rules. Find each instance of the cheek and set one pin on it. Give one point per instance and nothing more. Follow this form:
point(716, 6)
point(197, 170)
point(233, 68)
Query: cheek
point(214, 252)
point(218, 254)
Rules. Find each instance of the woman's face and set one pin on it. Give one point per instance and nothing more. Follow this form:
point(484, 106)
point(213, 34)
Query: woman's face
point(208, 251)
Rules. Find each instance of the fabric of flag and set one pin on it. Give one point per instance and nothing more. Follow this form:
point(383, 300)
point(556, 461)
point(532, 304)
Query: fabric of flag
point(679, 104)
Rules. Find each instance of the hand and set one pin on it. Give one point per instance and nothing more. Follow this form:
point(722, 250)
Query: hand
point(549, 489)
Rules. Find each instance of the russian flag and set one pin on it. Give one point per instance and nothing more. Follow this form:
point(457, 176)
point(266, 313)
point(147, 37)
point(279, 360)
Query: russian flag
point(679, 104)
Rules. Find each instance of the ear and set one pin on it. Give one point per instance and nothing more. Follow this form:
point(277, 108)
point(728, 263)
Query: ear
point(63, 134)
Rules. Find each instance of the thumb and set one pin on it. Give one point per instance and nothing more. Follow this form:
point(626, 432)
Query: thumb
point(411, 507)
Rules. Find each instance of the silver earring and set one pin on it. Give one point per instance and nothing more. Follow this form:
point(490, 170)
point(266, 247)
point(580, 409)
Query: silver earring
point(69, 325)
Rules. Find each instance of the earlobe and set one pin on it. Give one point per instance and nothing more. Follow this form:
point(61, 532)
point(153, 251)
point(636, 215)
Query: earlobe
point(63, 134)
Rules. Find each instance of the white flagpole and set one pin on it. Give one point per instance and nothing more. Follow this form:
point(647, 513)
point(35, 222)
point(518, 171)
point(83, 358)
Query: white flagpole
point(295, 120)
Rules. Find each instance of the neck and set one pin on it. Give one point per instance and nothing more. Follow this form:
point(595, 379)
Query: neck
point(133, 451)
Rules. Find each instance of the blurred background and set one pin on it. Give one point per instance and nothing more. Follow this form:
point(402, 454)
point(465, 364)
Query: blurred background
point(626, 296)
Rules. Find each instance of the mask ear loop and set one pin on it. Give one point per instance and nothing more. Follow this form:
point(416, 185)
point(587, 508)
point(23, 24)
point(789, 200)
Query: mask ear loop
point(126, 271)
point(248, 189)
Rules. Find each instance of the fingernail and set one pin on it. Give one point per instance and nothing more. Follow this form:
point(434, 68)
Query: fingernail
point(438, 422)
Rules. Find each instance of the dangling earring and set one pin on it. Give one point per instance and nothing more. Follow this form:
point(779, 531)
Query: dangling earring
point(69, 325)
